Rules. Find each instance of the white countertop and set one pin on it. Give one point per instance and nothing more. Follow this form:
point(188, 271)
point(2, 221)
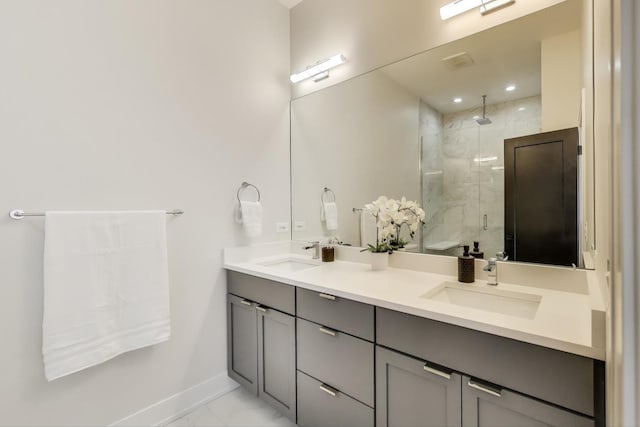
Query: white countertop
point(563, 320)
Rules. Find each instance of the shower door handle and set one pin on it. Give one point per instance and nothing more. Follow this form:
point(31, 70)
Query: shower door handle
point(484, 222)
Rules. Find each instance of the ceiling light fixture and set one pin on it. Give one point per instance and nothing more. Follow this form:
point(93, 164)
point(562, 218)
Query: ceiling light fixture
point(457, 100)
point(510, 88)
point(457, 7)
point(320, 70)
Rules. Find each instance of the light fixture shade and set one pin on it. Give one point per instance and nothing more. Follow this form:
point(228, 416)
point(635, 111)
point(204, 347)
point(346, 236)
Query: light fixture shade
point(319, 68)
point(457, 7)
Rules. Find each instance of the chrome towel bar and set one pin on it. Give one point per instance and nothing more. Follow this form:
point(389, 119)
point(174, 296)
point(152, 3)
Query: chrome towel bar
point(19, 214)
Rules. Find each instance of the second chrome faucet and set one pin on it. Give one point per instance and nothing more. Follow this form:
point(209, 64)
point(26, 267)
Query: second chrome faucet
point(316, 249)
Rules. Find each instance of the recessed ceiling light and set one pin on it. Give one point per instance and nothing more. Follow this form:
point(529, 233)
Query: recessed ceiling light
point(510, 88)
point(457, 100)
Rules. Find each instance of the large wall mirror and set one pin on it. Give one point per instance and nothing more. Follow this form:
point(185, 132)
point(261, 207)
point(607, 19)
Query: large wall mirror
point(417, 129)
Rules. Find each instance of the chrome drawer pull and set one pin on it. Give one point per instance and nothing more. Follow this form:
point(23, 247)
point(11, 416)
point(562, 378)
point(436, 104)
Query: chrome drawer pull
point(496, 393)
point(327, 296)
point(261, 308)
point(437, 372)
point(245, 302)
point(328, 390)
point(327, 331)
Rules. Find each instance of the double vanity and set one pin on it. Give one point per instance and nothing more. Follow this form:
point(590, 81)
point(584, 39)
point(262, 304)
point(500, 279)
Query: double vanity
point(336, 344)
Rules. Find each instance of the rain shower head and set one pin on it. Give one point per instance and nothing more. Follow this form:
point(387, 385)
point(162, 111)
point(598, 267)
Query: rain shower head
point(484, 120)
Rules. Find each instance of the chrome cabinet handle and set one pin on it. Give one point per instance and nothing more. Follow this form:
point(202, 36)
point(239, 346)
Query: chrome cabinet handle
point(437, 372)
point(245, 302)
point(491, 391)
point(327, 296)
point(261, 308)
point(328, 390)
point(327, 331)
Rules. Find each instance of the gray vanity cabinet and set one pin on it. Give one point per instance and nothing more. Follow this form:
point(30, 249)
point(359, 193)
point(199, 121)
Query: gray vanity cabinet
point(485, 405)
point(242, 342)
point(335, 355)
point(277, 360)
point(261, 341)
point(410, 392)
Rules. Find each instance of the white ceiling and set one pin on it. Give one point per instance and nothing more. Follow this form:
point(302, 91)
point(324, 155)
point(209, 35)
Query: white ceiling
point(289, 3)
point(507, 54)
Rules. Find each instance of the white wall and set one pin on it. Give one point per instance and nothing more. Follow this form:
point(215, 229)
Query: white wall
point(373, 33)
point(135, 105)
point(360, 139)
point(561, 62)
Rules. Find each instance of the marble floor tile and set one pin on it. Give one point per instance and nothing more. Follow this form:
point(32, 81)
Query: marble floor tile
point(238, 408)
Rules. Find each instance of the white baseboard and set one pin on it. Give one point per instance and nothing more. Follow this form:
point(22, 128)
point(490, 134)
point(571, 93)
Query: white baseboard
point(179, 404)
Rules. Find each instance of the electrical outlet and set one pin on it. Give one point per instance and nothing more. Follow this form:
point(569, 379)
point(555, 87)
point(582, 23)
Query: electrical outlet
point(282, 227)
point(300, 226)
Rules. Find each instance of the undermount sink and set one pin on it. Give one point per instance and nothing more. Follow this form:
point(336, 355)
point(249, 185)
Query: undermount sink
point(518, 304)
point(289, 263)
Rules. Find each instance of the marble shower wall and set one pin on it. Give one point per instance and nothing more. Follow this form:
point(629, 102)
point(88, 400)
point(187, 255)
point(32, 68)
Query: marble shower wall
point(463, 174)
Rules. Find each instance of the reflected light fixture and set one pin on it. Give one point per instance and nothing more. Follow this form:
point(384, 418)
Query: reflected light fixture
point(485, 159)
point(510, 88)
point(457, 100)
point(320, 70)
point(457, 7)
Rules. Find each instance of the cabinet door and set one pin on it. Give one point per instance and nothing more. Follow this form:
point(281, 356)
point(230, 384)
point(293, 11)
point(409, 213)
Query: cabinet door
point(486, 405)
point(242, 341)
point(413, 393)
point(277, 360)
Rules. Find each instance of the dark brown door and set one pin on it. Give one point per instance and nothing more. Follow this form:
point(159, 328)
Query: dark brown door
point(541, 197)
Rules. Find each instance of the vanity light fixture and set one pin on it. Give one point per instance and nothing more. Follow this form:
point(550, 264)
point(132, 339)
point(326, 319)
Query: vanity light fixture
point(457, 7)
point(320, 70)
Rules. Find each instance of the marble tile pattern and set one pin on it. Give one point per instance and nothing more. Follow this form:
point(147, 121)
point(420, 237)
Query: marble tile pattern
point(238, 408)
point(457, 190)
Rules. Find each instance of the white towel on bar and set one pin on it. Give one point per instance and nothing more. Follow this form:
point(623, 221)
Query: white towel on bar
point(251, 218)
point(330, 215)
point(368, 228)
point(106, 287)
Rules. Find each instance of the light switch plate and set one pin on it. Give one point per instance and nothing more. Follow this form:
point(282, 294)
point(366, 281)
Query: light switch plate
point(282, 227)
point(300, 226)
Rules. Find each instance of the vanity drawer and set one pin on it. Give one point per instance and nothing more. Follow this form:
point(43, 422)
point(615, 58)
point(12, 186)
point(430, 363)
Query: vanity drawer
point(348, 316)
point(276, 295)
point(343, 361)
point(551, 375)
point(322, 405)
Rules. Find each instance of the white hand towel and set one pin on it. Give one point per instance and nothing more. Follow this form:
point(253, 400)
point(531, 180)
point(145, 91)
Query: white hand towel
point(330, 210)
point(368, 228)
point(106, 287)
point(252, 218)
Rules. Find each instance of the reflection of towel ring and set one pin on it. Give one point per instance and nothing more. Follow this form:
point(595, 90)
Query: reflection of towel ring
point(326, 190)
point(245, 185)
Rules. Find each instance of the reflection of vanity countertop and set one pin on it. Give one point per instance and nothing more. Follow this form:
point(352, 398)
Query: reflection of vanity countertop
point(571, 321)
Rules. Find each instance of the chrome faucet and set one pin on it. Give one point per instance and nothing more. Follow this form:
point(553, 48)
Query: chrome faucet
point(492, 272)
point(492, 268)
point(316, 249)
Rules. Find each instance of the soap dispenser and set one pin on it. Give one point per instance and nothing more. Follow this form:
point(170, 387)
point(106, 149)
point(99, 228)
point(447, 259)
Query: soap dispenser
point(466, 267)
point(476, 251)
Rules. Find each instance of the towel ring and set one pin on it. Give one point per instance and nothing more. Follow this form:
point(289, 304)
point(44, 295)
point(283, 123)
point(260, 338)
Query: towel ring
point(245, 185)
point(326, 190)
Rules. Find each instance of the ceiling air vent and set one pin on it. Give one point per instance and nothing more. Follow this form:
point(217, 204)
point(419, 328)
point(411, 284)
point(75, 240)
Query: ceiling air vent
point(457, 61)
